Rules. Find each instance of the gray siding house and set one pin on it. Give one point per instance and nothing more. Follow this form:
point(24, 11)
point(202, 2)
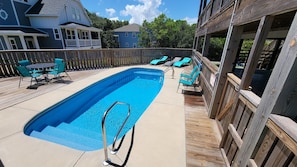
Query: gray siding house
point(46, 24)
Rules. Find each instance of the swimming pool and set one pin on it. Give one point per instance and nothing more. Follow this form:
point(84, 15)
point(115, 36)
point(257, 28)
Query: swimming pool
point(76, 121)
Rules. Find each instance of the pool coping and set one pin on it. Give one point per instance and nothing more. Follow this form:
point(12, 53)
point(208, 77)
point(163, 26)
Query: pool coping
point(159, 136)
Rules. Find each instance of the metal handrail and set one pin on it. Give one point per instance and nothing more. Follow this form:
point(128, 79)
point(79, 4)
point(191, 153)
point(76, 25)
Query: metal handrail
point(113, 151)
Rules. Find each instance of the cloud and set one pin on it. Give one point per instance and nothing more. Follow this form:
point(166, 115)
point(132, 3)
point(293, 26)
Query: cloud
point(97, 13)
point(145, 10)
point(114, 18)
point(110, 11)
point(191, 20)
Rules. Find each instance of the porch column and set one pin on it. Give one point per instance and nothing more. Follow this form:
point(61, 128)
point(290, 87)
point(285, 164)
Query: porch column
point(90, 37)
point(23, 42)
point(76, 38)
point(277, 95)
point(206, 44)
point(256, 50)
point(36, 42)
point(7, 42)
point(228, 57)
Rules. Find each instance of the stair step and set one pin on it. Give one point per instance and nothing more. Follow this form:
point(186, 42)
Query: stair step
point(69, 139)
point(84, 132)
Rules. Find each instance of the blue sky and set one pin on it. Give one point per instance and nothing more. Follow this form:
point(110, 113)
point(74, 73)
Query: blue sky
point(135, 11)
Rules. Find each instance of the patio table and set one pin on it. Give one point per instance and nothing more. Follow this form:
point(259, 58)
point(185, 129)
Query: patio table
point(43, 67)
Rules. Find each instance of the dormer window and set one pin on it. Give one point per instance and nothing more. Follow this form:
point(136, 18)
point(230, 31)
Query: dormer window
point(75, 14)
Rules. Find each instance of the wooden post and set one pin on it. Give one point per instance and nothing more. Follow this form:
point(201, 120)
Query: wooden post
point(280, 87)
point(256, 50)
point(206, 44)
point(227, 60)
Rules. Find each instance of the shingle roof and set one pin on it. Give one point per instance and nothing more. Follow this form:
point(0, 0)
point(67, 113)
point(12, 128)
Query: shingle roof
point(48, 7)
point(128, 28)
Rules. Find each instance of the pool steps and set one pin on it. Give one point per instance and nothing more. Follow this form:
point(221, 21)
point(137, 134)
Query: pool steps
point(71, 136)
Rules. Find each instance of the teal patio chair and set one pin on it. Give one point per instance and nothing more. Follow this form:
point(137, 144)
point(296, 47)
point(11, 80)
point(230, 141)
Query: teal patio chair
point(189, 81)
point(24, 62)
point(159, 61)
point(59, 68)
point(183, 62)
point(24, 72)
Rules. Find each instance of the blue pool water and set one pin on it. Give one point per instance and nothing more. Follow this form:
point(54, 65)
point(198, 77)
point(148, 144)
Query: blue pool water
point(76, 121)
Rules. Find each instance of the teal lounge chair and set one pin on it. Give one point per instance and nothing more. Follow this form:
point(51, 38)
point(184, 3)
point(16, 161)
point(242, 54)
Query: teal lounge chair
point(159, 61)
point(189, 81)
point(183, 62)
point(24, 72)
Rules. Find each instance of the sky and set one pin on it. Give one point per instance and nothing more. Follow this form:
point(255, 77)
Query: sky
point(136, 11)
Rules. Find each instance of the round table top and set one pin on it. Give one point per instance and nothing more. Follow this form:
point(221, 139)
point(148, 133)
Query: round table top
point(40, 65)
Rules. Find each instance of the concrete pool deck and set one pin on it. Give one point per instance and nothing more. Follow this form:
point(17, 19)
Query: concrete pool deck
point(159, 138)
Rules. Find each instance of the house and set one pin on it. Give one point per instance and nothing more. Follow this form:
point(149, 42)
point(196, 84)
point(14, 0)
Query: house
point(127, 36)
point(252, 95)
point(46, 24)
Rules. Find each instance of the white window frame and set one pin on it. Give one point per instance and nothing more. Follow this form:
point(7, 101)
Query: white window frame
point(133, 35)
point(70, 34)
point(12, 45)
point(134, 45)
point(57, 33)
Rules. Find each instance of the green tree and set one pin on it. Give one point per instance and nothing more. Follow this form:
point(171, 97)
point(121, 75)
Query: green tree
point(107, 26)
point(165, 32)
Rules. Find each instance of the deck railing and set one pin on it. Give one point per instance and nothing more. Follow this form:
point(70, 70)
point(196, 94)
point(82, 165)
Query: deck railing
point(207, 77)
point(85, 59)
point(277, 145)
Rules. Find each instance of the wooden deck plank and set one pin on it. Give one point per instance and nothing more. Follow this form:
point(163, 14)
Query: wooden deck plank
point(202, 142)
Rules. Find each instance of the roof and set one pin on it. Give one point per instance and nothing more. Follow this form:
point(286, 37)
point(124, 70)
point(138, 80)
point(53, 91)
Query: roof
point(47, 7)
point(21, 31)
point(79, 26)
point(128, 28)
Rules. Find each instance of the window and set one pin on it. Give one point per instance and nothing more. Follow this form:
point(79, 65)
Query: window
point(127, 44)
point(134, 45)
point(126, 34)
point(133, 35)
point(85, 35)
point(75, 14)
point(70, 34)
point(13, 43)
point(57, 34)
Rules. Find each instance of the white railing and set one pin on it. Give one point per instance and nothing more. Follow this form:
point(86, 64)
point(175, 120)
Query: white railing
point(82, 42)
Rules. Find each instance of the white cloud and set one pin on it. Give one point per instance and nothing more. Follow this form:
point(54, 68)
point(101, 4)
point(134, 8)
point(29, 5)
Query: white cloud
point(191, 20)
point(97, 13)
point(114, 18)
point(110, 11)
point(145, 10)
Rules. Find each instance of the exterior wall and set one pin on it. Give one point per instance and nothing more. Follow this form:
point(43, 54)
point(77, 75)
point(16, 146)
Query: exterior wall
point(7, 10)
point(50, 42)
point(74, 12)
point(44, 22)
point(21, 9)
point(127, 41)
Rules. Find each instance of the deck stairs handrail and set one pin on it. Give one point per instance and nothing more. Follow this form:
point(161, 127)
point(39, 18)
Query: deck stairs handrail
point(114, 150)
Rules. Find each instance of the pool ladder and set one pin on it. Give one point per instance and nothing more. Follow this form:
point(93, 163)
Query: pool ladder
point(170, 68)
point(114, 150)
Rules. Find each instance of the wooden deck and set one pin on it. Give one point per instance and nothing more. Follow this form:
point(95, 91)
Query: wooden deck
point(202, 142)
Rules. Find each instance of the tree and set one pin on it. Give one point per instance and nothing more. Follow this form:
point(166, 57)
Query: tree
point(107, 26)
point(165, 32)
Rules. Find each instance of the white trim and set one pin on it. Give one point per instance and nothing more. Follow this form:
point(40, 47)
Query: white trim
point(12, 45)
